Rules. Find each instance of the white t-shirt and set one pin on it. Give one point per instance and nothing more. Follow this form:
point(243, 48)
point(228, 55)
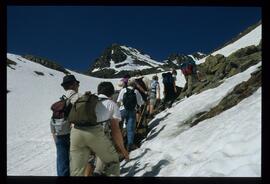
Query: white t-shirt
point(72, 95)
point(121, 95)
point(107, 109)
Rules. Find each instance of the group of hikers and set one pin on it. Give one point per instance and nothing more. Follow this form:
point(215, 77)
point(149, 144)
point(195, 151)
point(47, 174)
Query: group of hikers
point(94, 132)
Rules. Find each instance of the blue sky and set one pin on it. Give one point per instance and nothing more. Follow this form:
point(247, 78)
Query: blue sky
point(74, 36)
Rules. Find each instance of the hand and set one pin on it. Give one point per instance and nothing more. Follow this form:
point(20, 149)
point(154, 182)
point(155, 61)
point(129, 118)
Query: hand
point(125, 154)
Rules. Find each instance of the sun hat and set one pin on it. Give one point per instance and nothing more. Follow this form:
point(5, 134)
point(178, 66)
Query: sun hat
point(69, 79)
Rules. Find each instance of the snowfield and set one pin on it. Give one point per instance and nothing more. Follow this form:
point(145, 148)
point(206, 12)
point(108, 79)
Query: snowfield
point(226, 145)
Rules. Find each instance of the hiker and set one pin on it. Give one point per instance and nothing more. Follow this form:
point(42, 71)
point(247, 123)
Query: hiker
point(61, 130)
point(142, 84)
point(87, 137)
point(125, 80)
point(178, 89)
point(190, 71)
point(111, 129)
point(154, 95)
point(169, 89)
point(128, 99)
point(93, 164)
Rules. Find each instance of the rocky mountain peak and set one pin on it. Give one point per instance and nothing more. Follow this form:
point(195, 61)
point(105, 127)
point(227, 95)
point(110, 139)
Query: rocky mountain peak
point(117, 60)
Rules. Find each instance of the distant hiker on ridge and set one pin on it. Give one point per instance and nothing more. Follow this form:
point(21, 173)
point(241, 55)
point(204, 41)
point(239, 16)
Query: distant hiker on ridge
point(169, 89)
point(191, 73)
point(154, 95)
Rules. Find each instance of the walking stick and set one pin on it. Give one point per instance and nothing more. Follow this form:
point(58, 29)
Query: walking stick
point(141, 116)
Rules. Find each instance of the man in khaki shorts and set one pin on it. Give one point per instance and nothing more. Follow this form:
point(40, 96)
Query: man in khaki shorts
point(85, 140)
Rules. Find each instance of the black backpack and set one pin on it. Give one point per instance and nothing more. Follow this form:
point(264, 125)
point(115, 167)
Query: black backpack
point(168, 79)
point(129, 99)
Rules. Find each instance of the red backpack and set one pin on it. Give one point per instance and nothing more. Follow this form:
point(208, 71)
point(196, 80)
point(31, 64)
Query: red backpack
point(186, 68)
point(61, 108)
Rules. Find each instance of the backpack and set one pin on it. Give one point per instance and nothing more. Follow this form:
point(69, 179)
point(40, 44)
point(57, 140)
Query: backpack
point(60, 112)
point(83, 111)
point(168, 82)
point(129, 99)
point(187, 67)
point(168, 79)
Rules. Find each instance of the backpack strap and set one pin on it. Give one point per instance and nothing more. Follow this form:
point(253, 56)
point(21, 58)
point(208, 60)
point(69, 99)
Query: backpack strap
point(69, 98)
point(102, 99)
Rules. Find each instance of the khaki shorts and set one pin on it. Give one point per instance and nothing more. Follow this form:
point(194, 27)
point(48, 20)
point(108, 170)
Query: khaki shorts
point(83, 142)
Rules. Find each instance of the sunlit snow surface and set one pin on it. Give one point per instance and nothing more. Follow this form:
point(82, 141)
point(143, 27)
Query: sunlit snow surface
point(228, 144)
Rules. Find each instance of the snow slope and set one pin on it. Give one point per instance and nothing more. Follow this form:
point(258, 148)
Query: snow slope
point(226, 145)
point(252, 38)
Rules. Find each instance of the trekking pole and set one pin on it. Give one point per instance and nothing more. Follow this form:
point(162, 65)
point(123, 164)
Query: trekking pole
point(141, 116)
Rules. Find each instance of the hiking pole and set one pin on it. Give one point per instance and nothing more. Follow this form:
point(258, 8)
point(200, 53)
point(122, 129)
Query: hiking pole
point(141, 116)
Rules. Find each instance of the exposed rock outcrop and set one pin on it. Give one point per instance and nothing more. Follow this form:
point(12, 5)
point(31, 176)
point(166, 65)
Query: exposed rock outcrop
point(217, 68)
point(46, 62)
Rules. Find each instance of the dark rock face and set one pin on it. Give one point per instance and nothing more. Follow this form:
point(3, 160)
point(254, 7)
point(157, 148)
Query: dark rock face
point(114, 52)
point(118, 54)
point(46, 62)
point(10, 63)
point(180, 58)
point(39, 73)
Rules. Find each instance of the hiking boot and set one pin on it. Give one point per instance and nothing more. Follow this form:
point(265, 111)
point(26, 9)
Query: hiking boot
point(151, 116)
point(97, 174)
point(132, 147)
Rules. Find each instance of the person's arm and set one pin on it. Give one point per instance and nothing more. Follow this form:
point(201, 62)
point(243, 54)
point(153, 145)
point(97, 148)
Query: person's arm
point(158, 91)
point(118, 138)
point(174, 86)
point(53, 131)
point(139, 98)
point(120, 98)
point(54, 137)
